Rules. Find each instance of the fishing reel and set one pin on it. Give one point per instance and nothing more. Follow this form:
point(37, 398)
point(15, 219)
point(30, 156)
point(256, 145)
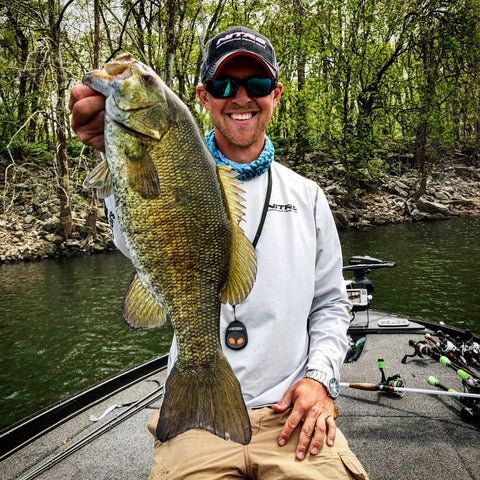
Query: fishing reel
point(393, 381)
point(422, 350)
point(470, 412)
point(471, 385)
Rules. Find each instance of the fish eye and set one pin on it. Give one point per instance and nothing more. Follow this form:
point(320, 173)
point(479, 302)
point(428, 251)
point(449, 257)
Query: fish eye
point(147, 78)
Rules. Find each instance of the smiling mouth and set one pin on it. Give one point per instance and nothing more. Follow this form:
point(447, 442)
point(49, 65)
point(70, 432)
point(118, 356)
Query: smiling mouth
point(242, 116)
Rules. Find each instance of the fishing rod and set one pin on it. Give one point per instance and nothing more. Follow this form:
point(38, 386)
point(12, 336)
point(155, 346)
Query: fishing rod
point(138, 405)
point(434, 382)
point(424, 350)
point(455, 351)
point(396, 385)
point(470, 411)
point(470, 381)
point(464, 352)
point(390, 388)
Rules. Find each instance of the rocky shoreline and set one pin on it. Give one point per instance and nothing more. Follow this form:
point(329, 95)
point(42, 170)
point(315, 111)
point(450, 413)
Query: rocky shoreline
point(452, 191)
point(27, 231)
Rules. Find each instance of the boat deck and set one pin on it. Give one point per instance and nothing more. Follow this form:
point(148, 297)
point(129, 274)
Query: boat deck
point(409, 438)
point(413, 437)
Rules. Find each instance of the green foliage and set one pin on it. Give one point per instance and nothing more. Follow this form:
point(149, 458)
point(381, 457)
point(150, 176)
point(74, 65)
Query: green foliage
point(355, 73)
point(280, 144)
point(74, 148)
point(37, 149)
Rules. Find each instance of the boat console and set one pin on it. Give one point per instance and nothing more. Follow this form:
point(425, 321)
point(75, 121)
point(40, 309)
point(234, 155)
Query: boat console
point(359, 291)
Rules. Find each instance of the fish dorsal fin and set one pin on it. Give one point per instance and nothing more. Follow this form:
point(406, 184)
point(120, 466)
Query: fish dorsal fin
point(100, 179)
point(243, 262)
point(139, 310)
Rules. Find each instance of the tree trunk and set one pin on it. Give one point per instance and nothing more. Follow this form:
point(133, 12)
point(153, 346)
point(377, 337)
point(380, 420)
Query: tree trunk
point(91, 220)
point(420, 156)
point(170, 37)
point(65, 224)
point(301, 129)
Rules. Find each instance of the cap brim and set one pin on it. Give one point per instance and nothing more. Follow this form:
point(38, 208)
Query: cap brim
point(216, 67)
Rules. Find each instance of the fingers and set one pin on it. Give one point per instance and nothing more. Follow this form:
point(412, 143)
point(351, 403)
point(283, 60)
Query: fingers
point(80, 92)
point(86, 109)
point(291, 424)
point(331, 430)
point(88, 116)
point(309, 429)
point(323, 426)
point(91, 133)
point(312, 433)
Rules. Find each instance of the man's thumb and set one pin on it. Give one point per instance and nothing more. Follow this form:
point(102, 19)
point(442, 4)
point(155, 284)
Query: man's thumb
point(284, 403)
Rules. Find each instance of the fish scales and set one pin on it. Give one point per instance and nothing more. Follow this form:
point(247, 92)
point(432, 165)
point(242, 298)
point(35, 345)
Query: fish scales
point(182, 233)
point(190, 236)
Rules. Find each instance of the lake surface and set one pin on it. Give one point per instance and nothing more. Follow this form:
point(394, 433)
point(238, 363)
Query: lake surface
point(61, 327)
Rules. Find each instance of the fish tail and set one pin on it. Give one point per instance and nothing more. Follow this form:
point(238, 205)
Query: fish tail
point(210, 402)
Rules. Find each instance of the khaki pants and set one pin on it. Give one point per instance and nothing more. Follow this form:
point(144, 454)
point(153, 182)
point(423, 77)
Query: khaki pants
point(200, 455)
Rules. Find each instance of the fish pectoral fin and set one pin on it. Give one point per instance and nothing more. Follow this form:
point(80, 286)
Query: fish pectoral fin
point(140, 311)
point(211, 400)
point(143, 177)
point(243, 261)
point(100, 179)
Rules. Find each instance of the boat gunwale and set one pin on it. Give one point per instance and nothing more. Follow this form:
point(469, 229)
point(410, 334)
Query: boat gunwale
point(27, 430)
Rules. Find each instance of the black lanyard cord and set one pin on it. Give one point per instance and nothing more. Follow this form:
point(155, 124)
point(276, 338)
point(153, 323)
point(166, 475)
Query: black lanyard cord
point(236, 336)
point(265, 208)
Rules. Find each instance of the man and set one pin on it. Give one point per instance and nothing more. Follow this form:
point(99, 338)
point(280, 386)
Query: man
point(287, 340)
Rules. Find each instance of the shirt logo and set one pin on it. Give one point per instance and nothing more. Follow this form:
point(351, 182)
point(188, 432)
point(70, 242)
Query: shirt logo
point(275, 207)
point(241, 35)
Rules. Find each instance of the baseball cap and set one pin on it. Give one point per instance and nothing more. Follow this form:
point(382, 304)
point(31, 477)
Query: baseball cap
point(238, 41)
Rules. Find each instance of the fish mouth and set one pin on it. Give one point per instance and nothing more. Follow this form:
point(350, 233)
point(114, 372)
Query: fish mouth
point(141, 131)
point(133, 109)
point(129, 129)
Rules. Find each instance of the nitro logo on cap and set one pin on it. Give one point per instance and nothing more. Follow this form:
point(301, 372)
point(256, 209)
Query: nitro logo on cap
point(241, 35)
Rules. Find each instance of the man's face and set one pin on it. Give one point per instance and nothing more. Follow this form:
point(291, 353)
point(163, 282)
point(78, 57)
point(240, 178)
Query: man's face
point(240, 121)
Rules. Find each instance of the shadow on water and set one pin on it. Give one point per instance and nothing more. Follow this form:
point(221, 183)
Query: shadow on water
point(61, 328)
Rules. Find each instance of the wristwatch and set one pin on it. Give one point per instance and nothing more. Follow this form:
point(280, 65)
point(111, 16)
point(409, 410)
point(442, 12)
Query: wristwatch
point(330, 383)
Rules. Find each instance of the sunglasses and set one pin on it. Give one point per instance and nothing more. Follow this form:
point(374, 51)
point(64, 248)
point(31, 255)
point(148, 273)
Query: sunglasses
point(228, 87)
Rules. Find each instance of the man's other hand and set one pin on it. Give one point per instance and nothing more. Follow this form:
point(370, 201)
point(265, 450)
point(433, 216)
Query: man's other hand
point(313, 407)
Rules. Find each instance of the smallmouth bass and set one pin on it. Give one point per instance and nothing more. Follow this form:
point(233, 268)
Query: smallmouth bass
point(179, 213)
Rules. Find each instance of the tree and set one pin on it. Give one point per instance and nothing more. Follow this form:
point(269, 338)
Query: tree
point(55, 17)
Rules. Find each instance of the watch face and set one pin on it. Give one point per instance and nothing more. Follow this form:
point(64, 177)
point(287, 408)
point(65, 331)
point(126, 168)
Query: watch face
point(333, 387)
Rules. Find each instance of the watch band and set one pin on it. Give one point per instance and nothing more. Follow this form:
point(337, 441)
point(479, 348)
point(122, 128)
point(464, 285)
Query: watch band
point(330, 383)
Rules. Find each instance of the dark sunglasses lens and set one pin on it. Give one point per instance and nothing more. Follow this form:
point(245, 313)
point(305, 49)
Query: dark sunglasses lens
point(223, 88)
point(258, 87)
point(228, 87)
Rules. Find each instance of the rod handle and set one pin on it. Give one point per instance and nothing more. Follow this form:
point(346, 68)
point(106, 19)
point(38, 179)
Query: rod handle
point(435, 342)
point(363, 386)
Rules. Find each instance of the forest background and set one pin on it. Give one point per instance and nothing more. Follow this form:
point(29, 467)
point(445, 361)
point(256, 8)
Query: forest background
point(381, 103)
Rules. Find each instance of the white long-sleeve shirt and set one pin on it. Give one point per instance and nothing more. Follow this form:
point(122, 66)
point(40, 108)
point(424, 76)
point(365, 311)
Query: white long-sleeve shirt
point(297, 312)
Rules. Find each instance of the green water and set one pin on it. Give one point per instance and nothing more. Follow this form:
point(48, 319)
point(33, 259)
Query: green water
point(437, 276)
point(61, 328)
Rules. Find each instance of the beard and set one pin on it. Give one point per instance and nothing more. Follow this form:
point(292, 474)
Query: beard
point(241, 137)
